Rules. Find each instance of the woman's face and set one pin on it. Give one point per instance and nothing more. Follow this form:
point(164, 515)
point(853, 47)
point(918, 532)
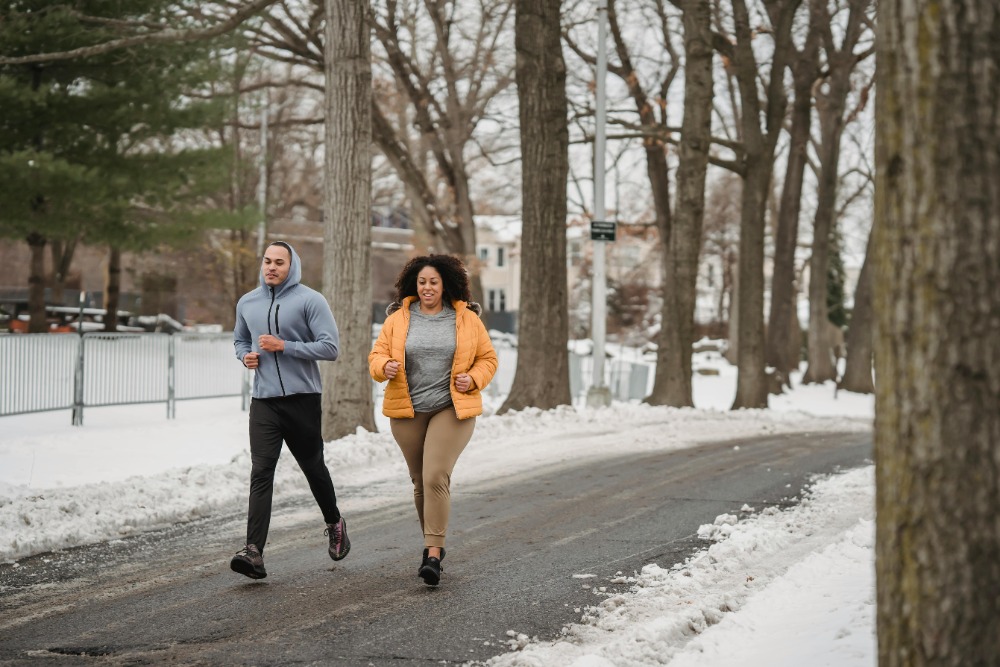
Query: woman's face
point(429, 288)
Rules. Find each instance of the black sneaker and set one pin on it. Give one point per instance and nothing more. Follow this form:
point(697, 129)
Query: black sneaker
point(248, 561)
point(430, 571)
point(424, 561)
point(340, 544)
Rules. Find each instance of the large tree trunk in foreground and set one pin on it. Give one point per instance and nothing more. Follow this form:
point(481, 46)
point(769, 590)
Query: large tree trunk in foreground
point(347, 387)
point(937, 354)
point(541, 379)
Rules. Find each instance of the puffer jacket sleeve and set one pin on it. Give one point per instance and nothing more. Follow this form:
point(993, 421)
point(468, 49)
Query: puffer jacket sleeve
point(485, 366)
point(381, 352)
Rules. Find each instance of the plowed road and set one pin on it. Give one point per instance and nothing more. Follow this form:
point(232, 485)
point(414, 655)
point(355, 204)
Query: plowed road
point(514, 545)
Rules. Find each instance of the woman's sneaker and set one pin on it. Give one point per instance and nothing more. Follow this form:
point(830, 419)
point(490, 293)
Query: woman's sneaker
point(340, 544)
point(430, 571)
point(424, 560)
point(249, 561)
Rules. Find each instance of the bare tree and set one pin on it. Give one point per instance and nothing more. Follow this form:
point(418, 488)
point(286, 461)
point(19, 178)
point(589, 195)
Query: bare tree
point(450, 73)
point(783, 337)
point(721, 241)
point(757, 165)
point(831, 103)
point(937, 344)
point(447, 63)
point(347, 394)
point(541, 378)
point(672, 385)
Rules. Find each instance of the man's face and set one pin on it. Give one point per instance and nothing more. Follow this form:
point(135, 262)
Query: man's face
point(277, 262)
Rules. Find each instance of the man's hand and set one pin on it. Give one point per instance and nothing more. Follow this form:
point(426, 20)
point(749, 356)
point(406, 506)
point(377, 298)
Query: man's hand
point(269, 343)
point(463, 382)
point(391, 368)
point(251, 359)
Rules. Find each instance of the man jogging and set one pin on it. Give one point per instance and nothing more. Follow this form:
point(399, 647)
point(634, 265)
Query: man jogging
point(282, 329)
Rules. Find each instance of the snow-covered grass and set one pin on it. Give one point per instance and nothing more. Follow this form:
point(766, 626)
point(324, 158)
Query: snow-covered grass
point(803, 575)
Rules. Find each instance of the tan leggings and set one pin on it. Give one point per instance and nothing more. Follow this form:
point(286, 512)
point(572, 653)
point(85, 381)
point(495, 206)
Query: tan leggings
point(431, 443)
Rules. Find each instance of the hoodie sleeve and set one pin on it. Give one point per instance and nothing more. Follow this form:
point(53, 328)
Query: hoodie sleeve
point(325, 345)
point(241, 334)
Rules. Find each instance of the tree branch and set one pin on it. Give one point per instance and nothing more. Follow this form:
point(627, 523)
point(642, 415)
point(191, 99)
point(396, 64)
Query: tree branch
point(165, 36)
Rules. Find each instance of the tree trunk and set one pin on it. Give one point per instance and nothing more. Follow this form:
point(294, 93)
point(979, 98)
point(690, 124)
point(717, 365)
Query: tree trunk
point(541, 378)
point(937, 344)
point(466, 219)
point(751, 386)
point(821, 363)
point(733, 323)
point(783, 342)
point(62, 259)
point(113, 289)
point(347, 394)
point(858, 365)
point(36, 284)
point(831, 100)
point(673, 358)
point(751, 382)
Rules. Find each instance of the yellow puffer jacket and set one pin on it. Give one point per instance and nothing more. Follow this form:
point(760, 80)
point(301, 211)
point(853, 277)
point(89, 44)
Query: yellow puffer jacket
point(474, 354)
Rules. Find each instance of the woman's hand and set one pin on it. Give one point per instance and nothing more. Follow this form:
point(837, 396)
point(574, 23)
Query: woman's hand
point(391, 368)
point(463, 382)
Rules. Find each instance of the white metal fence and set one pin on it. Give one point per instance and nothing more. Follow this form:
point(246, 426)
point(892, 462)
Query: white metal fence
point(627, 380)
point(40, 372)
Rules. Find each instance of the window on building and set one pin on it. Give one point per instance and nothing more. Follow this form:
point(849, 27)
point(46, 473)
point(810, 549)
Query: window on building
point(575, 253)
point(496, 300)
point(484, 253)
point(500, 258)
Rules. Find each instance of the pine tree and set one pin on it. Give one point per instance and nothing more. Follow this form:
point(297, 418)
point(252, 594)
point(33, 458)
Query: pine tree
point(835, 278)
point(103, 149)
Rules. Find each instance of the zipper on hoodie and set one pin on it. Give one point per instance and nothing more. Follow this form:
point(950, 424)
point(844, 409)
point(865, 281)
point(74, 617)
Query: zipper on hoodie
point(277, 331)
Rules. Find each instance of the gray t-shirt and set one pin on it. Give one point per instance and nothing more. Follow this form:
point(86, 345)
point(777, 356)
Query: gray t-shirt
point(430, 351)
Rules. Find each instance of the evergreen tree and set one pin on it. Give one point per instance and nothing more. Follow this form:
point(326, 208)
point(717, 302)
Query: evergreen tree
point(835, 277)
point(105, 148)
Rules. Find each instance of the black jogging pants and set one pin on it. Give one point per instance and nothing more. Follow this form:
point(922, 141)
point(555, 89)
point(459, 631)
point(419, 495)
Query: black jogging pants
point(296, 420)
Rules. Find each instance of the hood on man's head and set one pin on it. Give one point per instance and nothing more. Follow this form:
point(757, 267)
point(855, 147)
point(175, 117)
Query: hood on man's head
point(294, 269)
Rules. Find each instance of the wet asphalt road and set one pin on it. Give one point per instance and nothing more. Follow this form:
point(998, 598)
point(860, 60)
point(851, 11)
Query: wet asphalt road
point(514, 545)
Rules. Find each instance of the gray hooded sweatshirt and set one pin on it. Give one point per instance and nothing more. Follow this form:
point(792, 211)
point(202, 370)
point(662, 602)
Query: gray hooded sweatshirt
point(296, 314)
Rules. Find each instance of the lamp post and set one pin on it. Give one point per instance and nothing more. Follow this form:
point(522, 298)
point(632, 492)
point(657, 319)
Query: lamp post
point(262, 185)
point(599, 395)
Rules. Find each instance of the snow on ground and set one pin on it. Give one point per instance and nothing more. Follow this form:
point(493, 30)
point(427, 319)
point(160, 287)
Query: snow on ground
point(775, 587)
point(782, 588)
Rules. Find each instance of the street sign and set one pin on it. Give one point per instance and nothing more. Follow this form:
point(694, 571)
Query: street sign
point(602, 231)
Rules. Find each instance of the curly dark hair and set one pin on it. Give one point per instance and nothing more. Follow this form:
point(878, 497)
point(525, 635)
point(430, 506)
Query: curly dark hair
point(454, 277)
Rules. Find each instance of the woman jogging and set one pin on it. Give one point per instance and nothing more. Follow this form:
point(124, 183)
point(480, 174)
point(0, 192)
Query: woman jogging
point(437, 356)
